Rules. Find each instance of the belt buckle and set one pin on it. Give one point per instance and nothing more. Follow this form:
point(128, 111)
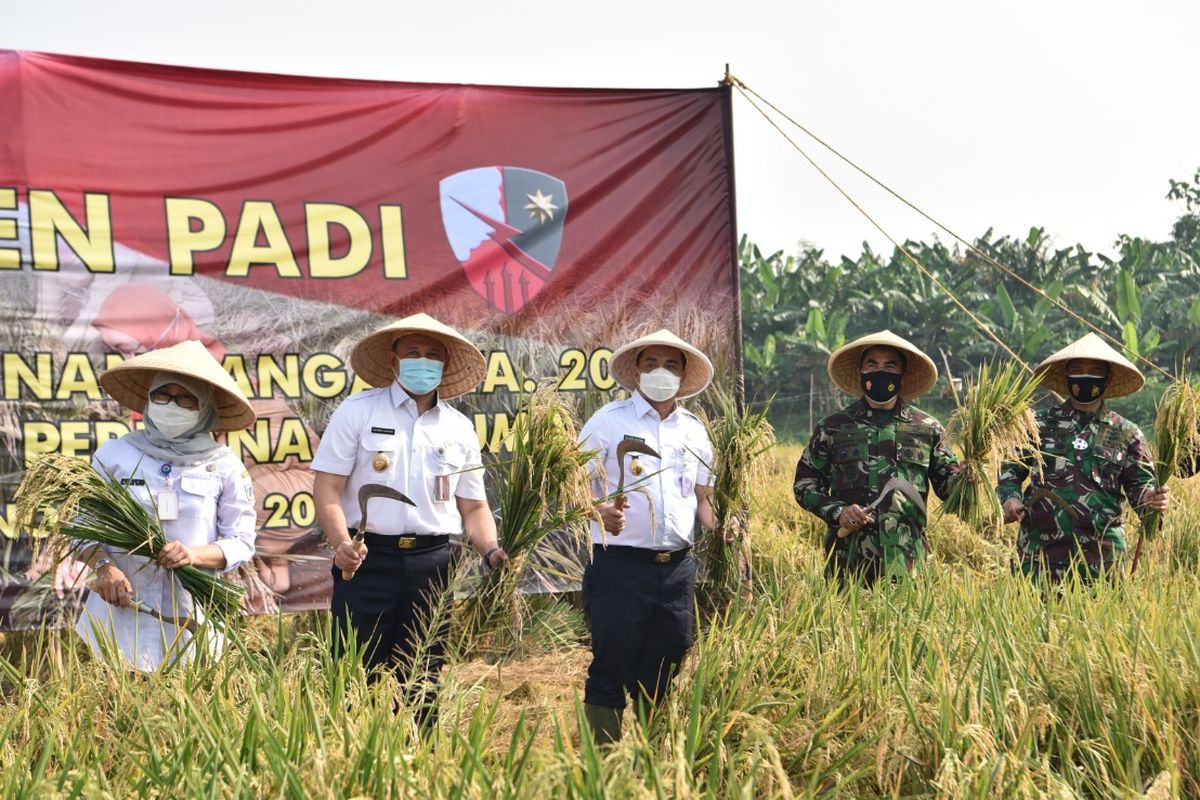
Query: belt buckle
point(407, 542)
point(662, 557)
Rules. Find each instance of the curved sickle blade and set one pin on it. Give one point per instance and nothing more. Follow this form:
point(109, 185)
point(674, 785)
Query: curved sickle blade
point(626, 447)
point(371, 490)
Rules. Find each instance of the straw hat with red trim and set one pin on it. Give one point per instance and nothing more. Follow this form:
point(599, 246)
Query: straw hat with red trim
point(1124, 378)
point(129, 381)
point(920, 374)
point(465, 366)
point(697, 372)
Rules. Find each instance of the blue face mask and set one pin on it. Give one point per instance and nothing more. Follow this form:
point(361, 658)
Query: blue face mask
point(419, 375)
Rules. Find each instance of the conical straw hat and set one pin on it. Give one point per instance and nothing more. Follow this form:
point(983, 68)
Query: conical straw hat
point(1124, 379)
point(697, 373)
point(919, 376)
point(129, 381)
point(465, 367)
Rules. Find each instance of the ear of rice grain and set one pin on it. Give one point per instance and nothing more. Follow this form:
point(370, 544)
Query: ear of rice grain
point(994, 423)
point(542, 487)
point(63, 498)
point(1176, 447)
point(739, 437)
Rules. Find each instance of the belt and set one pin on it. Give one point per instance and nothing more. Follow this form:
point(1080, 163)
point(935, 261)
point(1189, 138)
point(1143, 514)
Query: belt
point(405, 541)
point(640, 553)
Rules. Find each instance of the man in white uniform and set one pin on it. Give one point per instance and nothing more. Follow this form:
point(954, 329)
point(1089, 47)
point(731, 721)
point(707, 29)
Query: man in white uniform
point(403, 435)
point(639, 590)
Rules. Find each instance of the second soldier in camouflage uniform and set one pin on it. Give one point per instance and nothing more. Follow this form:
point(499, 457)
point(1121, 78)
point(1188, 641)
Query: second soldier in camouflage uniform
point(1090, 455)
point(856, 451)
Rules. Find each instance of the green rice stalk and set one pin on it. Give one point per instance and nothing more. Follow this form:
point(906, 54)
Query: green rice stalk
point(542, 487)
point(64, 499)
point(740, 438)
point(1176, 445)
point(994, 423)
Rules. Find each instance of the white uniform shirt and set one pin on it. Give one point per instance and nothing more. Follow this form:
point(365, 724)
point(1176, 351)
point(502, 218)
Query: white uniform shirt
point(670, 483)
point(377, 437)
point(216, 506)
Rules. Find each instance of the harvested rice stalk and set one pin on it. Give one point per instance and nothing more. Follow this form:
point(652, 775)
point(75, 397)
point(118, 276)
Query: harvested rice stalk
point(1176, 446)
point(542, 486)
point(994, 423)
point(63, 498)
point(739, 439)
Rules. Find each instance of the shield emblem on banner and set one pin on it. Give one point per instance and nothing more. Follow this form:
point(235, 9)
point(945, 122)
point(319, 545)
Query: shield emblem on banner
point(505, 226)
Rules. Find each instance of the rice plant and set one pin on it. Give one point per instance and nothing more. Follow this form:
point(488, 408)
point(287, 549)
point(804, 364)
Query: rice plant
point(64, 499)
point(543, 487)
point(994, 423)
point(1176, 447)
point(740, 438)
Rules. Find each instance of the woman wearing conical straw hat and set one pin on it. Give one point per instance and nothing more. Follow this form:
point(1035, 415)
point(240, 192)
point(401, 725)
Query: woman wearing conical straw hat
point(198, 488)
point(855, 453)
point(404, 436)
point(1091, 454)
point(639, 591)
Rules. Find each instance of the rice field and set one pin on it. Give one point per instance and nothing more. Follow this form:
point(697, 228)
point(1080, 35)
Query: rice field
point(965, 682)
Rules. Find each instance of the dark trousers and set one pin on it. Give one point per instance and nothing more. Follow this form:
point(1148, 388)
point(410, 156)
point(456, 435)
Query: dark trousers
point(641, 615)
point(386, 608)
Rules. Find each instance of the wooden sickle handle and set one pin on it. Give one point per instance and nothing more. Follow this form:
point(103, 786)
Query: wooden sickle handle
point(359, 547)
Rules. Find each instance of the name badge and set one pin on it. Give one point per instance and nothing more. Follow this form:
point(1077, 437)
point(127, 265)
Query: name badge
point(168, 505)
point(441, 488)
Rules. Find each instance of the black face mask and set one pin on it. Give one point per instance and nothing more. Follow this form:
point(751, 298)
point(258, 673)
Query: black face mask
point(1087, 388)
point(880, 386)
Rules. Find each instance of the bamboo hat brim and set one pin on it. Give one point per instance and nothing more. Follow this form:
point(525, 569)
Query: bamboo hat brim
point(465, 365)
point(697, 373)
point(1124, 379)
point(920, 374)
point(129, 382)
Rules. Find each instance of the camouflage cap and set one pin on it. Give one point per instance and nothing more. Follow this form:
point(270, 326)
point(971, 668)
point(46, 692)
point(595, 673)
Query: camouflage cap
point(919, 376)
point(1125, 378)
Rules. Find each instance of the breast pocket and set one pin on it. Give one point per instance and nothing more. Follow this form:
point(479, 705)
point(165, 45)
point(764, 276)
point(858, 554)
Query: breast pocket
point(687, 465)
point(1057, 462)
point(380, 452)
point(913, 452)
point(1107, 464)
point(198, 493)
point(851, 454)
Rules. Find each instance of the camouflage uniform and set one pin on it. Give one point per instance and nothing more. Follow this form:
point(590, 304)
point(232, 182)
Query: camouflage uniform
point(852, 454)
point(1089, 458)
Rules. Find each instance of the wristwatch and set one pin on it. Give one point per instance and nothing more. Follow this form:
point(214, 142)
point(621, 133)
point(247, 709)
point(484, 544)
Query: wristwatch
point(101, 563)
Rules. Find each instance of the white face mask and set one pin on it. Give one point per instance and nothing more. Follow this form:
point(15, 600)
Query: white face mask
point(660, 385)
point(171, 420)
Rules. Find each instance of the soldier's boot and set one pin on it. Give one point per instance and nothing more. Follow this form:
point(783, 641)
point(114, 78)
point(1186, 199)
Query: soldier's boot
point(604, 722)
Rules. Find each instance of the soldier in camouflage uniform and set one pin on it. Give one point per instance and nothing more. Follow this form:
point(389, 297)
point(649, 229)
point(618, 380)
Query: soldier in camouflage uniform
point(855, 451)
point(1090, 455)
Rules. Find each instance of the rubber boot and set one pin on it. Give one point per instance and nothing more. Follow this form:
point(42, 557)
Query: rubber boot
point(605, 723)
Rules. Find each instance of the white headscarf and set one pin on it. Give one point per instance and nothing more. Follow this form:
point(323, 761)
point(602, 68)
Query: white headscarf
point(195, 445)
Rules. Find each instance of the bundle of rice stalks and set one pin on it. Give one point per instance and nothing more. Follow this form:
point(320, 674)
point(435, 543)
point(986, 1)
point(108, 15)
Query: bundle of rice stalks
point(543, 486)
point(1176, 447)
point(63, 498)
point(994, 423)
point(740, 438)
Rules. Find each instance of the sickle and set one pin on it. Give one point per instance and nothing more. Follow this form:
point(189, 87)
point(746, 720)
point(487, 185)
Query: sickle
point(626, 447)
point(365, 493)
point(896, 484)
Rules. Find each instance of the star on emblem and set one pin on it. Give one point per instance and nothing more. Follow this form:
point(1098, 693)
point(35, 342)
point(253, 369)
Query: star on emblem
point(541, 206)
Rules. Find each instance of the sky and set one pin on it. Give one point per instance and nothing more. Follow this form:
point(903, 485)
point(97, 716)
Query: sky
point(1068, 114)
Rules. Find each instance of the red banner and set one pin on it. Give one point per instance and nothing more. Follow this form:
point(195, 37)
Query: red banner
point(277, 219)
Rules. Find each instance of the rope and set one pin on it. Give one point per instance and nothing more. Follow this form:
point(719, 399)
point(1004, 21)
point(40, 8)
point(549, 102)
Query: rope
point(987, 257)
point(920, 267)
